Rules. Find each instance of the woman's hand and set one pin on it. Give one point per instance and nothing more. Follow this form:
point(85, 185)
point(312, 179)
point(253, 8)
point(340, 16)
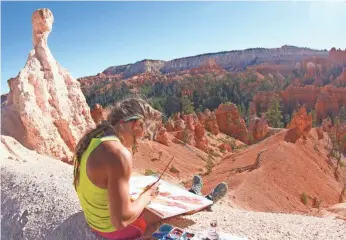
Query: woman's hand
point(150, 192)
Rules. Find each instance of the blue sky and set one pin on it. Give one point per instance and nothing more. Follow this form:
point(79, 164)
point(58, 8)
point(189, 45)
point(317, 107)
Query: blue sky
point(88, 37)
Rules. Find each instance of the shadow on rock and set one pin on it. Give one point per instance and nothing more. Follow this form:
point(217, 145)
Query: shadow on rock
point(74, 227)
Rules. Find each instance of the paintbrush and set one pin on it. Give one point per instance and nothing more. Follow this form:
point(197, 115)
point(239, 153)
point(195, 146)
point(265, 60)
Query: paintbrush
point(148, 187)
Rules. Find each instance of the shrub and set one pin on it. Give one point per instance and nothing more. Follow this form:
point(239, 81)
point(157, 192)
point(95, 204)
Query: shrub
point(342, 164)
point(174, 170)
point(149, 172)
point(304, 198)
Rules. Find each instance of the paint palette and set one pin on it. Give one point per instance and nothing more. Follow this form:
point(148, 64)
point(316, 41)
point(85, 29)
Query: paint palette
point(169, 232)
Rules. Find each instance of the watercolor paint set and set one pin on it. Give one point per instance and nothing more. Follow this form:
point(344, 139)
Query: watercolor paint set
point(169, 232)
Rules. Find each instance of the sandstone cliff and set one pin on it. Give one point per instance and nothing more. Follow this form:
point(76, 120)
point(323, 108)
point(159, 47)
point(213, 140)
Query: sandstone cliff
point(325, 100)
point(45, 110)
point(229, 60)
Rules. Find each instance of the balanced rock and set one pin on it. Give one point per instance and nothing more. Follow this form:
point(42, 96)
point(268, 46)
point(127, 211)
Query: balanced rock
point(46, 110)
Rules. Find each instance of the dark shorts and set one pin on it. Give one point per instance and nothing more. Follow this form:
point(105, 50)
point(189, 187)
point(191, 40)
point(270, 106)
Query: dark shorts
point(133, 231)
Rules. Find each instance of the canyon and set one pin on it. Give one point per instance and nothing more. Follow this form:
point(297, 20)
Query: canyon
point(298, 168)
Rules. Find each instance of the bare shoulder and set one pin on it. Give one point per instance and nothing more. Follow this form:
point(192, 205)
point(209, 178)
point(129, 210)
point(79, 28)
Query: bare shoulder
point(116, 157)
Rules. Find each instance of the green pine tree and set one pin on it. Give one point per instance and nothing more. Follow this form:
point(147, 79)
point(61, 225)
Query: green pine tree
point(274, 114)
point(313, 113)
point(342, 114)
point(242, 109)
point(186, 105)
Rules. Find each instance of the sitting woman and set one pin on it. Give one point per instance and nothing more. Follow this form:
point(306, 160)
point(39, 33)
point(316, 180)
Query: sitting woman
point(102, 171)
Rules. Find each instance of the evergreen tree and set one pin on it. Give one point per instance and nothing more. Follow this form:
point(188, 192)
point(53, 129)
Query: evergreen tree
point(172, 105)
point(157, 106)
point(287, 119)
point(313, 114)
point(186, 105)
point(342, 114)
point(274, 114)
point(241, 109)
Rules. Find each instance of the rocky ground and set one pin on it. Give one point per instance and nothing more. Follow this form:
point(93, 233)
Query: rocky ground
point(39, 202)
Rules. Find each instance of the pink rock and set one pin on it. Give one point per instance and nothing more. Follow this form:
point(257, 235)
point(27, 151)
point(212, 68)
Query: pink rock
point(46, 110)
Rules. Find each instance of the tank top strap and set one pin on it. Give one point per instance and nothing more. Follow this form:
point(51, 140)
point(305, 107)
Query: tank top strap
point(97, 141)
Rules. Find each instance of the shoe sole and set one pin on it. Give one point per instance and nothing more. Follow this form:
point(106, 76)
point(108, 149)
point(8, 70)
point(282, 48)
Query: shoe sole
point(197, 182)
point(219, 191)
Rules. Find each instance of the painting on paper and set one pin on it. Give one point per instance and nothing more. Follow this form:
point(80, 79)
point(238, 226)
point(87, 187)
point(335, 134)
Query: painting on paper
point(173, 200)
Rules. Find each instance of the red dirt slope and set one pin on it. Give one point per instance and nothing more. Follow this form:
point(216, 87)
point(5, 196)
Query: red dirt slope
point(155, 156)
point(286, 171)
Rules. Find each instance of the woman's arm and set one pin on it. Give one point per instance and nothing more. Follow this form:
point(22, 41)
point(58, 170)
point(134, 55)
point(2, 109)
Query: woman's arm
point(119, 166)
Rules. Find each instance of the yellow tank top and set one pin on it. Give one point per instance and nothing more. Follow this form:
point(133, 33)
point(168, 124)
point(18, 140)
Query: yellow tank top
point(94, 200)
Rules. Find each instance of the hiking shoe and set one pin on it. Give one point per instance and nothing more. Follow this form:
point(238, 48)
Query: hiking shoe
point(197, 184)
point(219, 192)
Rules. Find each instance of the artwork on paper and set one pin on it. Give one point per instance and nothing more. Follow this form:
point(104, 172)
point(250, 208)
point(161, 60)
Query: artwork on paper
point(173, 200)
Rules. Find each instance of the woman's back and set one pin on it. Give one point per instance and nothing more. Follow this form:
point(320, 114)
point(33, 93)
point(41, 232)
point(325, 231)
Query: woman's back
point(93, 199)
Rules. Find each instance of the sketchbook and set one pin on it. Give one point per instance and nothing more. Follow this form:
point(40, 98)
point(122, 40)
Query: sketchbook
point(172, 200)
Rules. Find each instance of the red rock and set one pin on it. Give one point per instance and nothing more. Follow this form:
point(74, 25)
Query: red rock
point(208, 119)
point(183, 133)
point(319, 133)
point(301, 124)
point(252, 108)
point(200, 139)
point(98, 114)
point(341, 136)
point(325, 100)
point(341, 80)
point(161, 136)
point(327, 103)
point(327, 125)
point(258, 128)
point(170, 125)
point(337, 56)
point(230, 122)
point(46, 110)
point(225, 147)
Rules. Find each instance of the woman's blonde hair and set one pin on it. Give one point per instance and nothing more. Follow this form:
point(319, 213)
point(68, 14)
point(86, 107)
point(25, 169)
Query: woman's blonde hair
point(126, 110)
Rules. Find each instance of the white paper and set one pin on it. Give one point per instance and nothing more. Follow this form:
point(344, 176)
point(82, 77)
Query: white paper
point(172, 200)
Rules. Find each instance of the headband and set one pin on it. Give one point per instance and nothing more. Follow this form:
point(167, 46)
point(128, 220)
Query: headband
point(133, 117)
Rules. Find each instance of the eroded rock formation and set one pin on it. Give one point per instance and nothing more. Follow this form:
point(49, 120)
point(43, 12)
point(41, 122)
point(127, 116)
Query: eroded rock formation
point(325, 100)
point(300, 125)
point(45, 111)
point(98, 113)
point(200, 138)
point(225, 147)
point(232, 60)
point(161, 136)
point(208, 119)
point(187, 129)
point(230, 122)
point(258, 128)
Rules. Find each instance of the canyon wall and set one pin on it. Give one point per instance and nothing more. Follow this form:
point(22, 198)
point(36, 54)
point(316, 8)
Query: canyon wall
point(229, 60)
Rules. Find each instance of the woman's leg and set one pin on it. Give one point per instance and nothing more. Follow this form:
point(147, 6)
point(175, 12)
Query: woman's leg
point(134, 231)
point(215, 195)
point(150, 218)
point(197, 184)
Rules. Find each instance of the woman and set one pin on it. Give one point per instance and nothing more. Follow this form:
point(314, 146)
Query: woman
point(103, 164)
point(102, 171)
